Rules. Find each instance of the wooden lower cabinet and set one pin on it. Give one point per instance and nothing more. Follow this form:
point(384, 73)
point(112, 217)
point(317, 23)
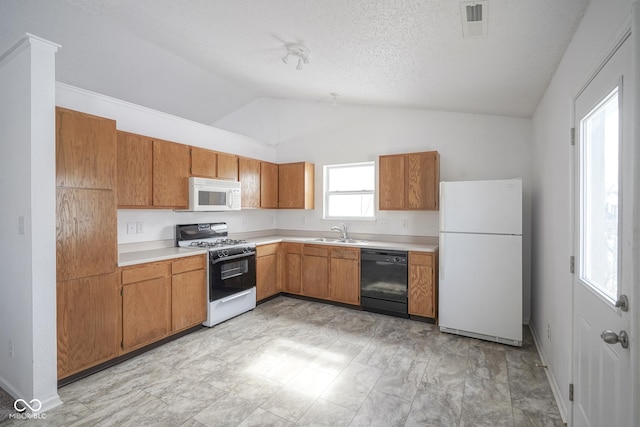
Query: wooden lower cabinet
point(423, 289)
point(188, 292)
point(161, 298)
point(344, 276)
point(292, 268)
point(267, 271)
point(87, 322)
point(315, 271)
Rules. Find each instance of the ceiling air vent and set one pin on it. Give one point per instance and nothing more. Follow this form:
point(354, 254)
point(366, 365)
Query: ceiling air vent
point(474, 19)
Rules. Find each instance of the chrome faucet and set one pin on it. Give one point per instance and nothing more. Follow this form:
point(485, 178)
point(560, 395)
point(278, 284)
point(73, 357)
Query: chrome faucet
point(342, 229)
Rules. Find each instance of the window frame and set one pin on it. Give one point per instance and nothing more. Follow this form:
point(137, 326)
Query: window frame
point(326, 193)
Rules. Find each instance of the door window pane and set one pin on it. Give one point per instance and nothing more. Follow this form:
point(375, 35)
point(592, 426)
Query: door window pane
point(599, 194)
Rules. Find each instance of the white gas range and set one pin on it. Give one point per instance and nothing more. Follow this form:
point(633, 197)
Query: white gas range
point(231, 269)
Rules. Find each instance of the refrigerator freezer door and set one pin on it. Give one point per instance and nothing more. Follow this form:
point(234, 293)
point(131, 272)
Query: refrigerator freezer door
point(480, 289)
point(491, 207)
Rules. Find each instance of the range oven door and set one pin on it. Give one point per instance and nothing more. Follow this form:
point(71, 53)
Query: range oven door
point(230, 275)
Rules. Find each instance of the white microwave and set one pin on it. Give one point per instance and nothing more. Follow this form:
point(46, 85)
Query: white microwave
point(213, 195)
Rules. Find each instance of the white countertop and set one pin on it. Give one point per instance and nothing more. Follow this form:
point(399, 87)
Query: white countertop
point(153, 255)
point(368, 244)
point(150, 253)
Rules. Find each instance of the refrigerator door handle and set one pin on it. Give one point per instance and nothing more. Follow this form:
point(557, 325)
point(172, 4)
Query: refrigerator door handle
point(441, 258)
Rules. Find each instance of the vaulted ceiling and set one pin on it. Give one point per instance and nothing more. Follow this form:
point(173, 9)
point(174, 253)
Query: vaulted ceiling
point(203, 59)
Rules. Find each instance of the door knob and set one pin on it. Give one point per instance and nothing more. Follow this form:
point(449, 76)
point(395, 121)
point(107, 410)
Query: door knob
point(611, 337)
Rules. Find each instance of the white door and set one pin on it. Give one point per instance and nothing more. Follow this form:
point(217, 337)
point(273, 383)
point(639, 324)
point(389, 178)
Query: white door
point(604, 217)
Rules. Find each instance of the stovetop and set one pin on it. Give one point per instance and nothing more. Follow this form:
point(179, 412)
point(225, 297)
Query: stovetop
point(213, 236)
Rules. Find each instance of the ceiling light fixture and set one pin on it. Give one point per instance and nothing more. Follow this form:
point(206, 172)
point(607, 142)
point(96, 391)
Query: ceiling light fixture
point(299, 50)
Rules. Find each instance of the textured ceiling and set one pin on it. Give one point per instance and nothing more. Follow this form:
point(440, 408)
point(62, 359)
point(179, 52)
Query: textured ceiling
point(405, 53)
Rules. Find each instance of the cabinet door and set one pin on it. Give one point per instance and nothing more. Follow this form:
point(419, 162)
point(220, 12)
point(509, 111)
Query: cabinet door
point(86, 233)
point(146, 312)
point(135, 170)
point(268, 185)
point(315, 271)
point(188, 299)
point(423, 178)
point(422, 292)
point(295, 185)
point(228, 166)
point(249, 173)
point(292, 268)
point(87, 322)
point(85, 150)
point(344, 280)
point(204, 163)
point(170, 174)
point(392, 182)
point(266, 272)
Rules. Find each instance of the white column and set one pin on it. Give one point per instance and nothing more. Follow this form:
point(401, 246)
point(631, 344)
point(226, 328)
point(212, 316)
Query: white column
point(28, 355)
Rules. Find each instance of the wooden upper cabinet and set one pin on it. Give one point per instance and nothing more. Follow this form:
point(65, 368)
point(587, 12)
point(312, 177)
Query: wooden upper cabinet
point(85, 150)
point(409, 181)
point(392, 184)
point(296, 185)
point(268, 185)
point(249, 173)
point(212, 164)
point(135, 170)
point(170, 174)
point(228, 166)
point(423, 180)
point(204, 163)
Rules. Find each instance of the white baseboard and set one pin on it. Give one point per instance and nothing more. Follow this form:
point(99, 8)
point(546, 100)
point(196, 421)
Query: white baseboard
point(564, 413)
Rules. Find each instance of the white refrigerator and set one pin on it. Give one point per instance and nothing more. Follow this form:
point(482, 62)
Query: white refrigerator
point(480, 279)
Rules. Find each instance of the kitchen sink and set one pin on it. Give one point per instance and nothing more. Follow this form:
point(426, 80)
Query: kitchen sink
point(327, 240)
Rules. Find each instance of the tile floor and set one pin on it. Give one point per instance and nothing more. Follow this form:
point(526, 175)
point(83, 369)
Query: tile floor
point(294, 362)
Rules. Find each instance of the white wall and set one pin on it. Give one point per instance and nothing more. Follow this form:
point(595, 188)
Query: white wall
point(160, 224)
point(552, 242)
point(471, 147)
point(27, 222)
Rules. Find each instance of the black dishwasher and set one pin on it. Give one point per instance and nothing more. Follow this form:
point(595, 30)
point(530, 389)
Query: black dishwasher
point(383, 281)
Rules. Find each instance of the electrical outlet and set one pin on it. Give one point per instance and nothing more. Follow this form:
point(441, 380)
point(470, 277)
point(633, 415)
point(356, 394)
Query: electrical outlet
point(139, 227)
point(384, 223)
point(11, 349)
point(405, 224)
point(131, 228)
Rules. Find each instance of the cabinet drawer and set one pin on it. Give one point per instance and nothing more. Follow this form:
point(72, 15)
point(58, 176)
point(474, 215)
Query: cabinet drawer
point(345, 253)
point(293, 248)
point(265, 250)
point(146, 272)
point(422, 258)
point(188, 264)
point(315, 251)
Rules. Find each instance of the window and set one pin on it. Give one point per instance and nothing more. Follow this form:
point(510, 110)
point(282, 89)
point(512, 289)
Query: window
point(599, 196)
point(349, 190)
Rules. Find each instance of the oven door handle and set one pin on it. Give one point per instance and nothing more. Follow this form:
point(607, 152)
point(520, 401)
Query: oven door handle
point(229, 258)
point(234, 296)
